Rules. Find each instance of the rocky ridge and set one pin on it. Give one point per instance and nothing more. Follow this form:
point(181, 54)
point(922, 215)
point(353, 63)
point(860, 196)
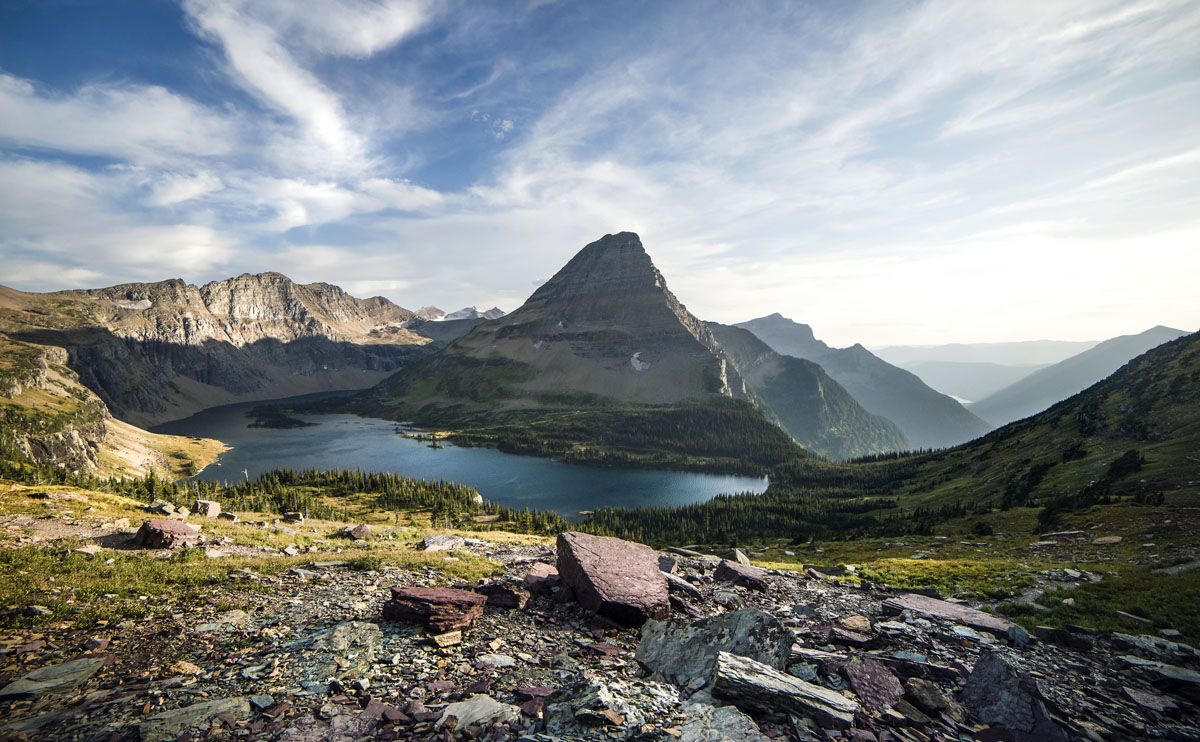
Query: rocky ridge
point(311, 656)
point(160, 351)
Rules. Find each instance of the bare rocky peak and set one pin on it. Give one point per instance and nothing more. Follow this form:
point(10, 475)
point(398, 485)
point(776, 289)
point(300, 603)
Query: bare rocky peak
point(606, 323)
point(242, 310)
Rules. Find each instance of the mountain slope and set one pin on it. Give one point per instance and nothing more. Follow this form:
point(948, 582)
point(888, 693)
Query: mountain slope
point(1043, 388)
point(160, 351)
point(928, 419)
point(812, 407)
point(1024, 352)
point(601, 340)
point(971, 381)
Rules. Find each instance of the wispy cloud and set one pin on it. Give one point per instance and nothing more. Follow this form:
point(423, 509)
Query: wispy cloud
point(792, 158)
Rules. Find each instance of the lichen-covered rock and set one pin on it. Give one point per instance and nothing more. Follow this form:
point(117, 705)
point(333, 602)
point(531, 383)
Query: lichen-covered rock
point(614, 578)
point(999, 693)
point(685, 653)
point(207, 508)
point(168, 725)
point(442, 542)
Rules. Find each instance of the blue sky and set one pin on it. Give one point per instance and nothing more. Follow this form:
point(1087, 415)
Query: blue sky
point(891, 173)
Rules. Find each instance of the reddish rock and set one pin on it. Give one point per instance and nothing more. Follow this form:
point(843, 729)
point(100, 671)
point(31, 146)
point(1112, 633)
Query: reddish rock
point(873, 683)
point(934, 608)
point(500, 595)
point(440, 608)
point(614, 578)
point(541, 579)
point(166, 534)
point(745, 575)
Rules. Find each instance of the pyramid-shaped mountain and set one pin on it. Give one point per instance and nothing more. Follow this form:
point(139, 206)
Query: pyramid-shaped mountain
point(605, 347)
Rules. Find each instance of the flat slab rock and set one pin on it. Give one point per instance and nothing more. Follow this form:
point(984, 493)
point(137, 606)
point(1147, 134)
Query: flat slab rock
point(53, 678)
point(934, 608)
point(686, 653)
point(166, 534)
point(745, 575)
point(442, 609)
point(168, 725)
point(614, 578)
point(442, 542)
point(752, 685)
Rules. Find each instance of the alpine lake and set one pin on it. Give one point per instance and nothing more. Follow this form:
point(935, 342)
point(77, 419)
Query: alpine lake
point(373, 445)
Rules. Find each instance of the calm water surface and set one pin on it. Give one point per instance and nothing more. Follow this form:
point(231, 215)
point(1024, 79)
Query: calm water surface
point(350, 442)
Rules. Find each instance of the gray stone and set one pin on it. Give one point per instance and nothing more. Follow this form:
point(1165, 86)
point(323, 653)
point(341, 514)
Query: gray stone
point(207, 508)
point(705, 723)
point(53, 679)
point(261, 702)
point(998, 692)
point(684, 652)
point(929, 698)
point(168, 725)
point(613, 578)
point(293, 517)
point(1018, 637)
point(227, 621)
point(680, 585)
point(349, 648)
point(360, 532)
point(752, 685)
point(442, 542)
point(1154, 647)
point(231, 517)
point(478, 709)
point(497, 660)
point(593, 702)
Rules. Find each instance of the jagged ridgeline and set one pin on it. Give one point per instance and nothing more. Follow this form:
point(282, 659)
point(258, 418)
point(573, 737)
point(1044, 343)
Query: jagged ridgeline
point(1127, 441)
point(604, 364)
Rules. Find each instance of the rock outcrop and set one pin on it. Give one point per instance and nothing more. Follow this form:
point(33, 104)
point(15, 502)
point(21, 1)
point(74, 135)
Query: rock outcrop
point(613, 578)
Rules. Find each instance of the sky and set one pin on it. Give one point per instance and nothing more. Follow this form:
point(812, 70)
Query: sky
point(889, 173)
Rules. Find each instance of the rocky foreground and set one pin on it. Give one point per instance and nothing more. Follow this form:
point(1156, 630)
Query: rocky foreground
point(598, 639)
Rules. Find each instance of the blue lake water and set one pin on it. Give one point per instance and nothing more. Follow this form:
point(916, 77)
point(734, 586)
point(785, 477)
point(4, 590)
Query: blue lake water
point(350, 442)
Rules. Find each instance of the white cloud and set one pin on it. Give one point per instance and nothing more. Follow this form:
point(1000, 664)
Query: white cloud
point(139, 123)
point(169, 189)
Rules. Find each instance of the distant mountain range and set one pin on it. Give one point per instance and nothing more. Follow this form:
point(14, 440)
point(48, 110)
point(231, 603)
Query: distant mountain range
point(1052, 384)
point(928, 419)
point(969, 382)
point(1022, 353)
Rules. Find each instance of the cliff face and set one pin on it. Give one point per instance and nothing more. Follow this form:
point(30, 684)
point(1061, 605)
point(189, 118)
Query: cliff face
point(160, 351)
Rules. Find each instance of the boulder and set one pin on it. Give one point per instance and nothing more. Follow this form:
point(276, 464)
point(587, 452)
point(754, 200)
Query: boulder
point(360, 532)
point(504, 595)
point(541, 579)
point(442, 542)
point(166, 534)
point(934, 608)
point(745, 575)
point(752, 685)
point(293, 517)
point(999, 693)
point(613, 578)
point(231, 517)
point(207, 508)
point(928, 697)
point(161, 507)
point(442, 609)
point(53, 679)
point(873, 683)
point(685, 654)
point(1155, 648)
